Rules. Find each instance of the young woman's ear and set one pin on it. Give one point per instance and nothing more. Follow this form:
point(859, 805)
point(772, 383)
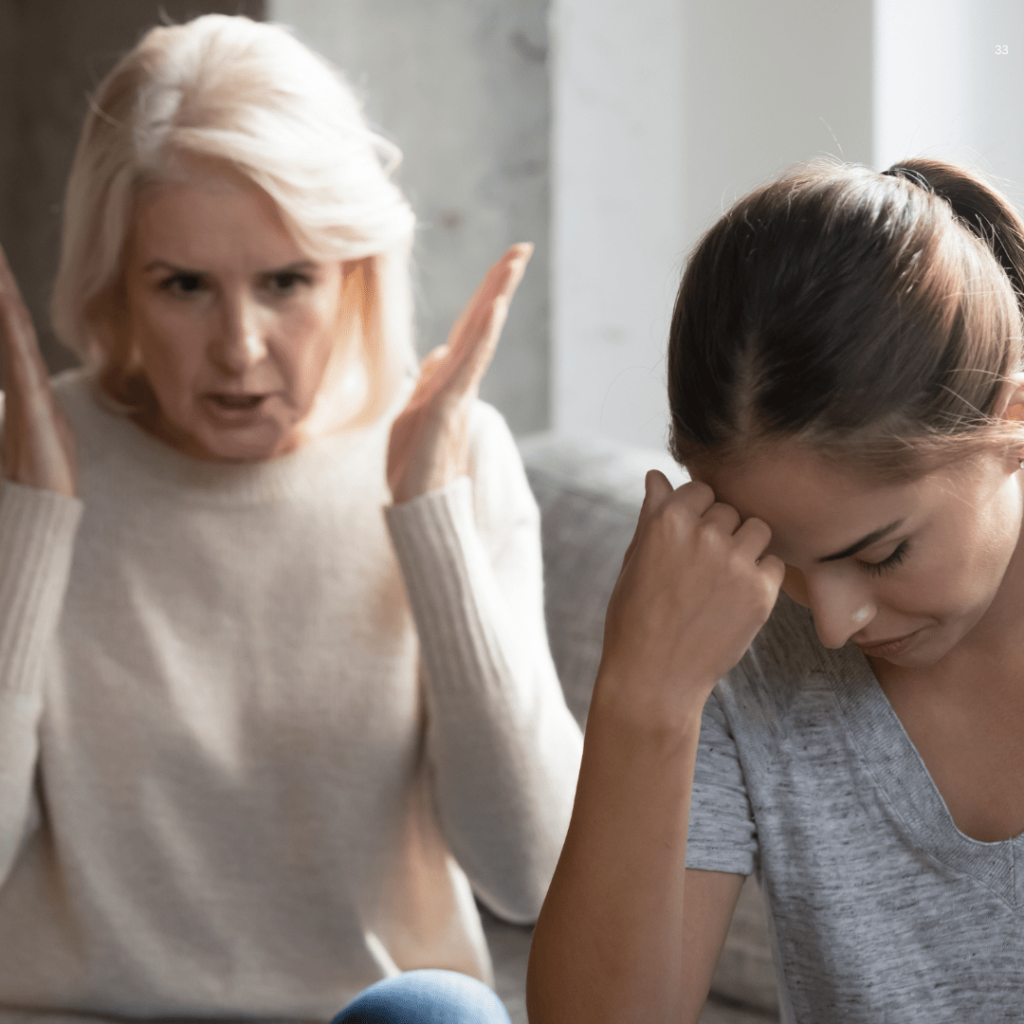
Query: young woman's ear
point(1012, 399)
point(1012, 411)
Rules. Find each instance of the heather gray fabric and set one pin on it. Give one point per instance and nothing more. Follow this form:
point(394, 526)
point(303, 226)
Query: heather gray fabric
point(884, 912)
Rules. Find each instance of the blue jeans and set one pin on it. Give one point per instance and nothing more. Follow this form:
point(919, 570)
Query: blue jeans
point(425, 997)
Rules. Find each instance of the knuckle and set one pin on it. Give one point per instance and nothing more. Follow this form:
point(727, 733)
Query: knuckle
point(766, 593)
point(669, 517)
point(699, 492)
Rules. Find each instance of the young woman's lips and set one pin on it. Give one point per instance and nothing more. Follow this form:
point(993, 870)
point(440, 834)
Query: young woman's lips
point(887, 648)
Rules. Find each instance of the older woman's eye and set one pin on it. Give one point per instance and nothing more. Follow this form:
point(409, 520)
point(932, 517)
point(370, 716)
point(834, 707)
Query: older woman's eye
point(286, 282)
point(183, 284)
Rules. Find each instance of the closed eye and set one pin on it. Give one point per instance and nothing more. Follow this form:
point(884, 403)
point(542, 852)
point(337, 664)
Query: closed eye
point(887, 564)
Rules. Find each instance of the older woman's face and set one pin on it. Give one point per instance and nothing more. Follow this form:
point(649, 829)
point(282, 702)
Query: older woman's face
point(235, 325)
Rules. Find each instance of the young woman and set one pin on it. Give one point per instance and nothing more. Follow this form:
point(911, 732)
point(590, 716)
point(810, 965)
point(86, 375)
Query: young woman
point(275, 692)
point(845, 387)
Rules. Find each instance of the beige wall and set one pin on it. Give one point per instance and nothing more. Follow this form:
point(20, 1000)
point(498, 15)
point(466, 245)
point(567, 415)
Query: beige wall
point(52, 55)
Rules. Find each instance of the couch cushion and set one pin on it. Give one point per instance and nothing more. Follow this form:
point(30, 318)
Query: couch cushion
point(589, 493)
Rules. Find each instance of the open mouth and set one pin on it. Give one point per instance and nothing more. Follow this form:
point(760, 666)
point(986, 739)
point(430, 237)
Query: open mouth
point(236, 403)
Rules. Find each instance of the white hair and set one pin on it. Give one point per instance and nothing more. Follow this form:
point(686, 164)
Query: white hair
point(252, 96)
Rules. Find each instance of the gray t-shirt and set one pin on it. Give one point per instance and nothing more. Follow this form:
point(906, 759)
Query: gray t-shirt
point(882, 909)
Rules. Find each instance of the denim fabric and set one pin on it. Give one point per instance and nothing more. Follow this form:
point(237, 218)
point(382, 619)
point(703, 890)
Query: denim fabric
point(425, 997)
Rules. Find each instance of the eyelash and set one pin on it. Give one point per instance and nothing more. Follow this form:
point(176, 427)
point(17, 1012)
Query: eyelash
point(280, 284)
point(887, 564)
point(292, 278)
point(175, 281)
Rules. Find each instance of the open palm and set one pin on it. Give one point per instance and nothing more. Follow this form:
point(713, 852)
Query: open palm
point(429, 444)
point(38, 449)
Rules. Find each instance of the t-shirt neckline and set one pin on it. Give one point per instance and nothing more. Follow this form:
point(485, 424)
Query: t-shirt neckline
point(906, 784)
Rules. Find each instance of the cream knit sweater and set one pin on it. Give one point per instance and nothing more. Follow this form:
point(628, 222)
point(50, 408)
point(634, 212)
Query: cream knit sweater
point(250, 763)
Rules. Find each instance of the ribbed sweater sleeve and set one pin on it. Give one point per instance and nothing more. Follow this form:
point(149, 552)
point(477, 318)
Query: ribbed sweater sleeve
point(37, 531)
point(503, 747)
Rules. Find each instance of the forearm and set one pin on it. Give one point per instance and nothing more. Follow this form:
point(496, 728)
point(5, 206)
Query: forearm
point(503, 747)
point(37, 531)
point(504, 794)
point(609, 942)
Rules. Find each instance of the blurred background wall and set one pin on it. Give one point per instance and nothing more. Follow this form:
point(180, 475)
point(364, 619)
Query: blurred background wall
point(53, 53)
point(464, 88)
point(610, 133)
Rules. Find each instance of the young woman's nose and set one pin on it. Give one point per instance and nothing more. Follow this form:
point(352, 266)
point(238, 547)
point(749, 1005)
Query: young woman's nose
point(839, 606)
point(839, 611)
point(240, 343)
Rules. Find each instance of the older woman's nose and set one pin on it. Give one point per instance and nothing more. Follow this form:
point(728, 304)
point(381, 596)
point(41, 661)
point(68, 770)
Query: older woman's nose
point(240, 342)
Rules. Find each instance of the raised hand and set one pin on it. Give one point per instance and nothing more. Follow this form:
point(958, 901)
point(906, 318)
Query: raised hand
point(429, 443)
point(38, 448)
point(695, 588)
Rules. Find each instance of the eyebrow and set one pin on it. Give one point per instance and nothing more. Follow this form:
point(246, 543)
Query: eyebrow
point(864, 542)
point(289, 268)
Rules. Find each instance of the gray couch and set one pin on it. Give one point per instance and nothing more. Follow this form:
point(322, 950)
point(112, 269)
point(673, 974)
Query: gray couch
point(589, 494)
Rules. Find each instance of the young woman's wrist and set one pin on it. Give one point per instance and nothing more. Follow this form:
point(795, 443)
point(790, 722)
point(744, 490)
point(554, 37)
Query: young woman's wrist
point(670, 714)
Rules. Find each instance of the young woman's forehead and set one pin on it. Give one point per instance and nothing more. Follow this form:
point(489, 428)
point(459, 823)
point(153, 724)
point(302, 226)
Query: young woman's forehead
point(793, 481)
point(813, 504)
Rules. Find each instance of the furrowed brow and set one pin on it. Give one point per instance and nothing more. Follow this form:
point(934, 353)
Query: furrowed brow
point(164, 265)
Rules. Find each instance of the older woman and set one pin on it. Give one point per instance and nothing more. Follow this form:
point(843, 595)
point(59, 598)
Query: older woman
point(275, 692)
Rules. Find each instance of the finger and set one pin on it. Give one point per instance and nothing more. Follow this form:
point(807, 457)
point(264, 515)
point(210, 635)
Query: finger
point(456, 376)
point(695, 496)
point(478, 322)
point(725, 516)
point(774, 569)
point(470, 355)
point(16, 322)
point(21, 350)
point(477, 356)
point(27, 381)
point(754, 537)
point(657, 490)
point(431, 365)
point(516, 256)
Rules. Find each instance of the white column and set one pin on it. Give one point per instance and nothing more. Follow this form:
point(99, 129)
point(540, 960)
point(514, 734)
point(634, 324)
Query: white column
point(617, 212)
point(665, 111)
point(949, 83)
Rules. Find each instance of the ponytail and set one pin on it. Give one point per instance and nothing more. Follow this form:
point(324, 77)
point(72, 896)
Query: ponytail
point(978, 207)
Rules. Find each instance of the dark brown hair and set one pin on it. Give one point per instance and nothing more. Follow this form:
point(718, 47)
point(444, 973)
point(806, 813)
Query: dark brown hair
point(874, 317)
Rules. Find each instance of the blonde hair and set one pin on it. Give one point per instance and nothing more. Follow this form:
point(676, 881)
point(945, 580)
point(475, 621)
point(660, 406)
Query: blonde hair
point(253, 97)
